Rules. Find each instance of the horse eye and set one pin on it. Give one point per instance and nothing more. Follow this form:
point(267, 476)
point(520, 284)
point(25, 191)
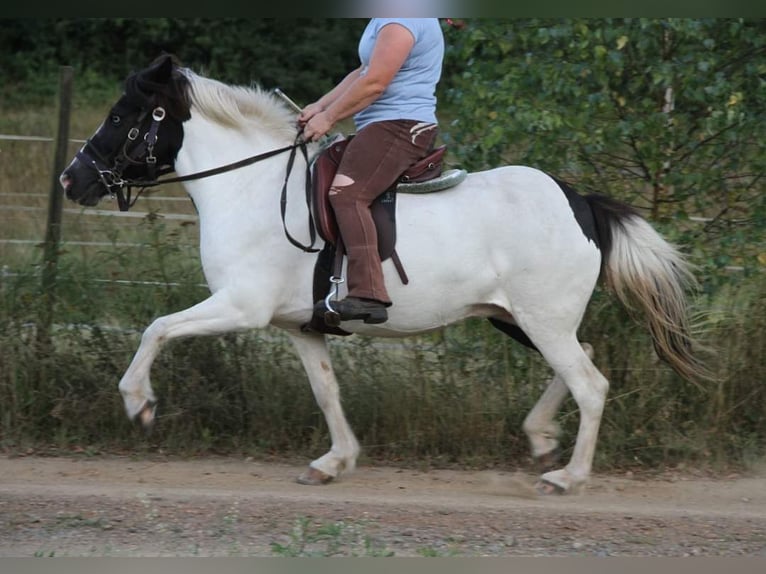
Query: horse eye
point(116, 120)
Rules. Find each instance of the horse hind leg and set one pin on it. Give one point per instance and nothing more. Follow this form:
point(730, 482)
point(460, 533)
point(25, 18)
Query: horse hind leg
point(542, 430)
point(540, 426)
point(576, 373)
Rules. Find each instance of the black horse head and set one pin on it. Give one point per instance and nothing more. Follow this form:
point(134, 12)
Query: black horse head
point(139, 138)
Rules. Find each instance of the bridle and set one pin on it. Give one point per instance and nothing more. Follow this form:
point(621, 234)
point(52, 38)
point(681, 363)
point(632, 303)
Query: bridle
point(130, 154)
point(143, 154)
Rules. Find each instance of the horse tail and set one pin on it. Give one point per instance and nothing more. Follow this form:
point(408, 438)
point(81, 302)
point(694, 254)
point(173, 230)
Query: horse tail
point(648, 274)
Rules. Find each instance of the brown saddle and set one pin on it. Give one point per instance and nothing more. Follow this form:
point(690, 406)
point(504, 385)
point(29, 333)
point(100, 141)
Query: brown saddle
point(383, 213)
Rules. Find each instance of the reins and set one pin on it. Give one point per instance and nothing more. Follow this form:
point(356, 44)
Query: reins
point(217, 170)
point(124, 186)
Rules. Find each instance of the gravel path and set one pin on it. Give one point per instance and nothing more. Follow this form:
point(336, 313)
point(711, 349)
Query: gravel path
point(121, 506)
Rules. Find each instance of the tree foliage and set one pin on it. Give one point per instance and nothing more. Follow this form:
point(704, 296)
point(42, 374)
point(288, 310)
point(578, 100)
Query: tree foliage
point(303, 56)
point(665, 113)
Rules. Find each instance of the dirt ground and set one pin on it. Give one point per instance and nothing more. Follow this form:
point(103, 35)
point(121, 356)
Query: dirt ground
point(126, 506)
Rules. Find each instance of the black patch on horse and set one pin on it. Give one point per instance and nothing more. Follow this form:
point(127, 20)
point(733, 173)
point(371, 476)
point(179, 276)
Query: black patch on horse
point(513, 331)
point(582, 211)
point(608, 212)
point(596, 213)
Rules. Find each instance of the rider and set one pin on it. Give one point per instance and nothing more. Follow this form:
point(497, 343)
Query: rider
point(392, 99)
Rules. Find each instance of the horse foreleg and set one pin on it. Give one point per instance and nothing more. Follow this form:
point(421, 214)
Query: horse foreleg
point(212, 316)
point(313, 352)
point(540, 427)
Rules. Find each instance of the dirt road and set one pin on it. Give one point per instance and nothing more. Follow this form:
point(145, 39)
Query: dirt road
point(113, 506)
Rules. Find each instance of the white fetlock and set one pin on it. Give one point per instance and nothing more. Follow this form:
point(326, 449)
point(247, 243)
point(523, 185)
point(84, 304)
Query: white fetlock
point(543, 440)
point(329, 465)
point(334, 464)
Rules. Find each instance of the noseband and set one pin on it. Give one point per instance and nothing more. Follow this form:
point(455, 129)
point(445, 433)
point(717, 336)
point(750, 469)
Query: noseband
point(139, 154)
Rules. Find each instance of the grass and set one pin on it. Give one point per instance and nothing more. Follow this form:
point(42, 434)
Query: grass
point(312, 539)
point(307, 538)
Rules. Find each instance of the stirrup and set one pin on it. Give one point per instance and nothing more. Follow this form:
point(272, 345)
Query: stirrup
point(331, 316)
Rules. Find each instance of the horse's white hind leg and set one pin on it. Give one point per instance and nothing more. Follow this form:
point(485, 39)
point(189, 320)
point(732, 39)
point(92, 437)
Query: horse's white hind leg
point(313, 352)
point(212, 316)
point(589, 388)
point(540, 426)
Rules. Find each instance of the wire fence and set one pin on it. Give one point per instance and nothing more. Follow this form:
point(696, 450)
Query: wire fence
point(20, 138)
point(24, 214)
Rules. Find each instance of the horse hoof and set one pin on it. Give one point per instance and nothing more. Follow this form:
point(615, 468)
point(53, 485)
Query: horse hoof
point(146, 414)
point(548, 461)
point(314, 477)
point(547, 488)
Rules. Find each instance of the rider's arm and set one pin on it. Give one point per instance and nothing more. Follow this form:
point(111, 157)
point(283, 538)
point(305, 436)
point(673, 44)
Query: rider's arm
point(322, 103)
point(391, 50)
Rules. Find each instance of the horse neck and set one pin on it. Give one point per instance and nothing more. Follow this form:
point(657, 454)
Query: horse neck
point(242, 205)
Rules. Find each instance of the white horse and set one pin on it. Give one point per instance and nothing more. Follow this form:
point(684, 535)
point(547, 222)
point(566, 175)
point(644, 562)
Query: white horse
point(510, 244)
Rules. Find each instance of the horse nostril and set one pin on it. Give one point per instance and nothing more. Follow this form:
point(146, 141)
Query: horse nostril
point(65, 181)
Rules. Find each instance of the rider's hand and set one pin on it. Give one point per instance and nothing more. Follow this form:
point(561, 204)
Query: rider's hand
point(317, 126)
point(308, 112)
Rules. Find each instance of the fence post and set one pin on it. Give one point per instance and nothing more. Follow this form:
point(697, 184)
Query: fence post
point(55, 204)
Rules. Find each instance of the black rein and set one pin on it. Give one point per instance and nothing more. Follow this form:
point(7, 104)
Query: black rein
point(125, 202)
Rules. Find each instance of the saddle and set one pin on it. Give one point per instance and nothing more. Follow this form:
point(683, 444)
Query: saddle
point(383, 208)
point(383, 211)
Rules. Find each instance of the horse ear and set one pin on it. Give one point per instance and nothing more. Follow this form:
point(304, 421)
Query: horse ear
point(161, 70)
point(160, 84)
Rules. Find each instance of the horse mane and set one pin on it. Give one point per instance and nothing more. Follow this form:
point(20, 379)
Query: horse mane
point(239, 106)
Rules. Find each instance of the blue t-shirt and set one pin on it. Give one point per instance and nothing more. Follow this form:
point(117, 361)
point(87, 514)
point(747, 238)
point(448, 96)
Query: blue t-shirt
point(411, 95)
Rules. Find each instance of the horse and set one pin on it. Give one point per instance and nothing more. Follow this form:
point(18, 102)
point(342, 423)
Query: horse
point(511, 244)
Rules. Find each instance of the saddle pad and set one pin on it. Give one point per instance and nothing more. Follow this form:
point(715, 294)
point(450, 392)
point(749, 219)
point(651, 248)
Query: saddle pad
point(446, 180)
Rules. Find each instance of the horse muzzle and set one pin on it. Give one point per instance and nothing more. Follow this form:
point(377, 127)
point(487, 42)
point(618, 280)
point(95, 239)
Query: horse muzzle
point(86, 193)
